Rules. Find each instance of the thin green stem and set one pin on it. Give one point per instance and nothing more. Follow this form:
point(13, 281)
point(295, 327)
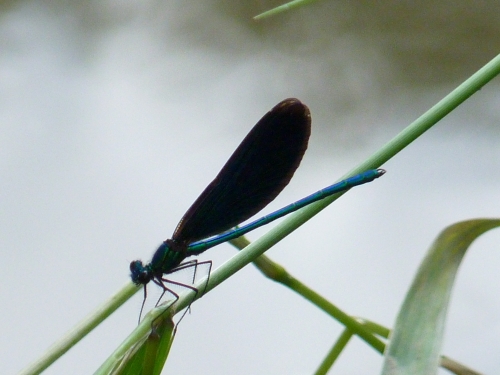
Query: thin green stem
point(283, 8)
point(334, 353)
point(81, 330)
point(279, 274)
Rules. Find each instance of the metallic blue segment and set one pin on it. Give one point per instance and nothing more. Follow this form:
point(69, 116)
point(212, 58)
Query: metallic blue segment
point(166, 259)
point(360, 179)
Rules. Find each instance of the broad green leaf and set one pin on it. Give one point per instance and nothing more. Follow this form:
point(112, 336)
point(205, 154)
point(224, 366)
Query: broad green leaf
point(148, 356)
point(415, 342)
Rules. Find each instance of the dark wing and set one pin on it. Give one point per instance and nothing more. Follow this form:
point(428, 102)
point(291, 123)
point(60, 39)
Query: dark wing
point(254, 175)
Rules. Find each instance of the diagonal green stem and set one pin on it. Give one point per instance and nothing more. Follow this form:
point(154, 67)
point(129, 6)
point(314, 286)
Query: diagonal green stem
point(279, 274)
point(334, 353)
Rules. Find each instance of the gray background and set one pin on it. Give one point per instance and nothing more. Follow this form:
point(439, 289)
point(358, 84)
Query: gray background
point(115, 115)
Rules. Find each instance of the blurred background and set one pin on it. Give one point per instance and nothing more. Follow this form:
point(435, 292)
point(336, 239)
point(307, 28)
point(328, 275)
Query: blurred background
point(115, 115)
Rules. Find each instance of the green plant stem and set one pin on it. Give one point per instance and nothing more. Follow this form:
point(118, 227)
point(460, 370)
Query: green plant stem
point(334, 352)
point(80, 330)
point(279, 274)
point(337, 313)
point(282, 8)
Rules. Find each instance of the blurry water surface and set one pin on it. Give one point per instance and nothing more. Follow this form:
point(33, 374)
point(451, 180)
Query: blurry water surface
point(114, 115)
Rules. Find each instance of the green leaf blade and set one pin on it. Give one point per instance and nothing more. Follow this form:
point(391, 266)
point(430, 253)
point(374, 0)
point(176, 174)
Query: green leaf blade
point(415, 343)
